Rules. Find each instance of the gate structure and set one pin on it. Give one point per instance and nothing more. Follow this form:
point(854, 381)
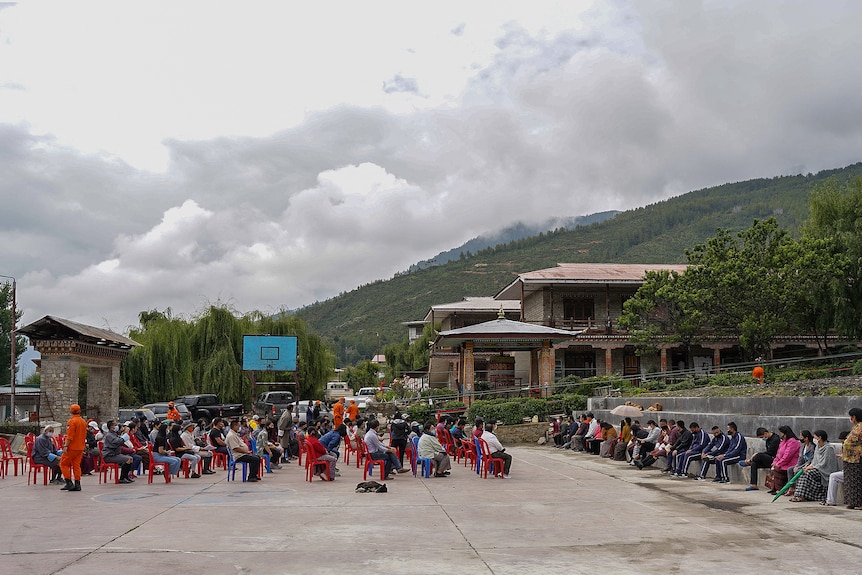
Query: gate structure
point(65, 346)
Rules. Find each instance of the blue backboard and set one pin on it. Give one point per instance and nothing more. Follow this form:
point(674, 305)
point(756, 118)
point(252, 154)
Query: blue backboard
point(269, 353)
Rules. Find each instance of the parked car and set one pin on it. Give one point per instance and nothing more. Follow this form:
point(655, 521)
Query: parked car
point(300, 407)
point(208, 406)
point(127, 413)
point(160, 410)
point(272, 403)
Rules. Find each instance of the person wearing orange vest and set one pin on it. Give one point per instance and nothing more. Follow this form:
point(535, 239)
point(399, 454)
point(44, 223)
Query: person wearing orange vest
point(338, 413)
point(173, 413)
point(352, 410)
point(76, 438)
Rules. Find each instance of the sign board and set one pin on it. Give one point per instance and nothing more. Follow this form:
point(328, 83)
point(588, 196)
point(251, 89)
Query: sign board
point(269, 353)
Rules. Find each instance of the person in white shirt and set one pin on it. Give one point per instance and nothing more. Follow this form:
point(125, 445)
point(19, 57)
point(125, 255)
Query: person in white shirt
point(378, 451)
point(496, 448)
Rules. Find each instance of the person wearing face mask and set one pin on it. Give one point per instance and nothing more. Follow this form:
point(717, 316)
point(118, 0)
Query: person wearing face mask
point(112, 445)
point(497, 449)
point(44, 453)
point(813, 484)
point(73, 450)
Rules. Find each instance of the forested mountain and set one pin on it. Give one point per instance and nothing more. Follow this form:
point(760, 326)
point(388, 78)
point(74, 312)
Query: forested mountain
point(515, 232)
point(358, 323)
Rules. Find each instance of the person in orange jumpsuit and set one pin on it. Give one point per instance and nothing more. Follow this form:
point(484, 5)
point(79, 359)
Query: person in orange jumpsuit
point(76, 439)
point(173, 413)
point(338, 413)
point(352, 410)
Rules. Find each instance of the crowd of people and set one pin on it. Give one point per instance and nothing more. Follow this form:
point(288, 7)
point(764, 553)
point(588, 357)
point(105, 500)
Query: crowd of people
point(805, 468)
point(173, 445)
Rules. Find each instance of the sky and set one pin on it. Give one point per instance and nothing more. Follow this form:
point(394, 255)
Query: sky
point(268, 155)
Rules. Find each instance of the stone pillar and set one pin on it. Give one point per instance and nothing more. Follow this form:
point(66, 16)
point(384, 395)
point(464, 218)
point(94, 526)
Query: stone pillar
point(469, 376)
point(103, 392)
point(609, 361)
point(546, 367)
point(59, 387)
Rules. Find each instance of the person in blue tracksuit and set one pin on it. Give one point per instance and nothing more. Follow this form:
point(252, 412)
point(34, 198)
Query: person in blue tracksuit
point(737, 449)
point(699, 441)
point(717, 446)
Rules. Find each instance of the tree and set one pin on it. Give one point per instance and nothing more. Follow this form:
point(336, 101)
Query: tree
point(745, 286)
point(836, 219)
point(5, 339)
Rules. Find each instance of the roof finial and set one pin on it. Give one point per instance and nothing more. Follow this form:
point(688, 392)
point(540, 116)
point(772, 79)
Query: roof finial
point(501, 314)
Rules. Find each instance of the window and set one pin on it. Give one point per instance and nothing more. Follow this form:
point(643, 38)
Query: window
point(578, 309)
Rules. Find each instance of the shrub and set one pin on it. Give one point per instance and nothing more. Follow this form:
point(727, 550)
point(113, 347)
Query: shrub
point(419, 412)
point(857, 368)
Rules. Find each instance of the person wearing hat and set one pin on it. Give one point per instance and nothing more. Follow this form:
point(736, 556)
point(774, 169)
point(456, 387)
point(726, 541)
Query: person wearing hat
point(188, 439)
point(255, 421)
point(338, 413)
point(73, 450)
point(173, 413)
point(44, 453)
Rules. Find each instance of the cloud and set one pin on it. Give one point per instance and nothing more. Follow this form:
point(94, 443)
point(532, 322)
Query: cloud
point(522, 116)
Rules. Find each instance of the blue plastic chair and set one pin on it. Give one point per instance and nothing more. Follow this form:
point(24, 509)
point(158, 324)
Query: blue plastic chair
point(417, 461)
point(231, 468)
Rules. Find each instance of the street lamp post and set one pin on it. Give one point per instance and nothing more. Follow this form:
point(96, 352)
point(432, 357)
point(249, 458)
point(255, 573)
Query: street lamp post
point(12, 346)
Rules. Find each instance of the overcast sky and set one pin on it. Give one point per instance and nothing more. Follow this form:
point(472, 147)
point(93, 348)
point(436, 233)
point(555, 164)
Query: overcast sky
point(172, 154)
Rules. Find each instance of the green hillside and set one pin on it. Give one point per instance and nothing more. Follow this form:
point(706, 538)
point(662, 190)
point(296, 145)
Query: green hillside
point(358, 323)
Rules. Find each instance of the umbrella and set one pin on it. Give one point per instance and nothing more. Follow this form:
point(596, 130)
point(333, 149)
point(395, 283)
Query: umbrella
point(627, 411)
point(787, 485)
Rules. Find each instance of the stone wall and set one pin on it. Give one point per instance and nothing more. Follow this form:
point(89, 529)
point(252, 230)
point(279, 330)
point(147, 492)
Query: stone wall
point(523, 433)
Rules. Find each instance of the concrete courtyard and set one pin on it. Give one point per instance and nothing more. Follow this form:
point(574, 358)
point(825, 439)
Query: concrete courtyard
point(560, 513)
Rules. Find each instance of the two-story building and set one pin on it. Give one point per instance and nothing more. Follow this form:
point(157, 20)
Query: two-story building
point(587, 300)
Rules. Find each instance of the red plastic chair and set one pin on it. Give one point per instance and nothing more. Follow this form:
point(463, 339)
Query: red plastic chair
point(488, 461)
point(370, 463)
point(6, 456)
point(301, 442)
point(348, 449)
point(35, 468)
point(219, 459)
point(166, 467)
point(467, 451)
point(107, 468)
point(311, 467)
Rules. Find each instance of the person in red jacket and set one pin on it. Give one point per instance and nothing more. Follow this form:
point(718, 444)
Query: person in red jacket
point(76, 438)
point(317, 452)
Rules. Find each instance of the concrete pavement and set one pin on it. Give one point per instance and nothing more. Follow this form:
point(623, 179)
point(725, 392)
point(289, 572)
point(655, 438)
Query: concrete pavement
point(560, 513)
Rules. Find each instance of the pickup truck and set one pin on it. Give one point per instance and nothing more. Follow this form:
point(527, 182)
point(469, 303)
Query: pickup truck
point(207, 406)
point(272, 403)
point(365, 395)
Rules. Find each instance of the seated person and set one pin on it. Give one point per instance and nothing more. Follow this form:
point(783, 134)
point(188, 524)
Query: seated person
point(762, 459)
point(380, 452)
point(184, 452)
point(814, 482)
point(592, 443)
point(430, 448)
point(317, 452)
point(265, 445)
point(216, 436)
point(737, 448)
point(188, 439)
point(788, 453)
point(683, 442)
point(649, 440)
point(161, 451)
point(806, 452)
point(699, 440)
point(836, 478)
point(112, 445)
point(717, 446)
point(586, 430)
point(139, 448)
point(241, 453)
point(609, 440)
point(45, 453)
point(331, 440)
point(496, 448)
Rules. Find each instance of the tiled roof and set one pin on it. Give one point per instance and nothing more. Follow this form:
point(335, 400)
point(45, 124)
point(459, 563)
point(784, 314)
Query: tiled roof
point(568, 273)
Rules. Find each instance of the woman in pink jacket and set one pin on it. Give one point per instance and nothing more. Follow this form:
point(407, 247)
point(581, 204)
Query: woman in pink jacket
point(787, 456)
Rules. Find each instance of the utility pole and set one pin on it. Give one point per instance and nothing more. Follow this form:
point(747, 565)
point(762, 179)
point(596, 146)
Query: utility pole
point(12, 346)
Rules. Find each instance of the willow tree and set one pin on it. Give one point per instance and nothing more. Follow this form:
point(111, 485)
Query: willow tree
point(216, 344)
point(161, 368)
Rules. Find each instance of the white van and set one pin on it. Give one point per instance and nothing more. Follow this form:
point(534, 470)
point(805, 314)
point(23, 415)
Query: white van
point(335, 390)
